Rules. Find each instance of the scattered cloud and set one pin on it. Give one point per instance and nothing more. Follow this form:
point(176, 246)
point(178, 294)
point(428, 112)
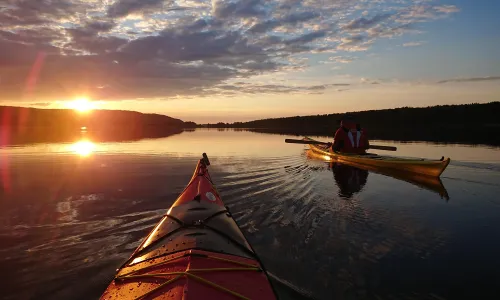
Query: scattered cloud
point(385, 31)
point(365, 23)
point(291, 19)
point(414, 44)
point(128, 49)
point(368, 81)
point(241, 9)
point(447, 9)
point(423, 12)
point(123, 8)
point(41, 104)
point(471, 79)
point(255, 88)
point(341, 59)
point(306, 38)
point(355, 43)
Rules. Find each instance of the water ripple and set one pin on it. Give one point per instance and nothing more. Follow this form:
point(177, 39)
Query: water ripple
point(66, 224)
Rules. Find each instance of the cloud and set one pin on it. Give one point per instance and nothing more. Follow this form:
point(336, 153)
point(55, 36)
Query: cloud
point(338, 60)
point(384, 31)
point(470, 79)
point(364, 23)
point(100, 26)
point(368, 81)
point(341, 59)
point(447, 9)
point(88, 38)
point(273, 88)
point(425, 12)
point(291, 19)
point(355, 43)
point(306, 38)
point(36, 12)
point(242, 8)
point(127, 49)
point(414, 44)
point(122, 8)
point(338, 84)
point(30, 36)
point(41, 104)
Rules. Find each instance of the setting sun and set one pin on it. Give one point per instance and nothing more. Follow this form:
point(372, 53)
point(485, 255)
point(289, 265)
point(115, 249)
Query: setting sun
point(82, 105)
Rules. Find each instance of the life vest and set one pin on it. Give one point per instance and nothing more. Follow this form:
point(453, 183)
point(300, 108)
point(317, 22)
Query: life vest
point(353, 139)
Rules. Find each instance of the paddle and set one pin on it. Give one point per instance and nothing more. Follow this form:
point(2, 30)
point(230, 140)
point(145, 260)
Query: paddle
point(291, 141)
point(378, 147)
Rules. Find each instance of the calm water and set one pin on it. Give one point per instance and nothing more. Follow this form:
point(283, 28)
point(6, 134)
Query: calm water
point(72, 213)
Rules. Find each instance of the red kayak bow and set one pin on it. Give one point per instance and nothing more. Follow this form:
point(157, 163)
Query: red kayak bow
point(196, 251)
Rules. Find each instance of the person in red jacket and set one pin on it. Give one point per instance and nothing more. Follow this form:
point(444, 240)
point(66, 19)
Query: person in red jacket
point(350, 137)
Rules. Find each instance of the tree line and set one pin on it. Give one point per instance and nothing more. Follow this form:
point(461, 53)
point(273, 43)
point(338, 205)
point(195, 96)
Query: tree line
point(21, 125)
point(466, 123)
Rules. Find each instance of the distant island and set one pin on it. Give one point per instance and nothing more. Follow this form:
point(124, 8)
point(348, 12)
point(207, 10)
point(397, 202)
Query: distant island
point(468, 123)
point(21, 125)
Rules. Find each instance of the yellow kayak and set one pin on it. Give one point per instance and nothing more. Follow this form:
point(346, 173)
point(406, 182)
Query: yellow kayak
point(414, 165)
point(430, 183)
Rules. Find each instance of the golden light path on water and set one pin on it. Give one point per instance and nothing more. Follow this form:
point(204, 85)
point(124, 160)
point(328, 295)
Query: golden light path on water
point(83, 148)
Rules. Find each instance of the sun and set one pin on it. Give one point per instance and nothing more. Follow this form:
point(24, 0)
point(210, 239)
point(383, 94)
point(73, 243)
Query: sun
point(82, 105)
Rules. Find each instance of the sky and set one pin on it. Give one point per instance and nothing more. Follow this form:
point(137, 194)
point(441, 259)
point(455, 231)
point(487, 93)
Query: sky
point(213, 60)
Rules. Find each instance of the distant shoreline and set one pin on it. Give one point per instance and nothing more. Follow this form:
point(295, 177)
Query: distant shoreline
point(21, 125)
point(466, 123)
point(471, 124)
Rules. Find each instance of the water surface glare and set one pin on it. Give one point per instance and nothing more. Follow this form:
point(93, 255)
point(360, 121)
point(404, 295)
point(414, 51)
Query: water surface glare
point(73, 212)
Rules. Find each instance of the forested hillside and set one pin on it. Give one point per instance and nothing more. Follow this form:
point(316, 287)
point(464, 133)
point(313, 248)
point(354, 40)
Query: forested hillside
point(468, 123)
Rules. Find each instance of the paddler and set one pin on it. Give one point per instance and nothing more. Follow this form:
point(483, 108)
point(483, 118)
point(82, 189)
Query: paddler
point(350, 137)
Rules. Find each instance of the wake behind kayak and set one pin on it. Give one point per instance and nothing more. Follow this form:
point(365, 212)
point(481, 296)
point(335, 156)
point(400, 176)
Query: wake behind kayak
point(196, 251)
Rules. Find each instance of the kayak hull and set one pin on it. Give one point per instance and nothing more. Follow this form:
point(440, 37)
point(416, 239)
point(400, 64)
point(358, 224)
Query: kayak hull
point(196, 251)
point(430, 183)
point(426, 167)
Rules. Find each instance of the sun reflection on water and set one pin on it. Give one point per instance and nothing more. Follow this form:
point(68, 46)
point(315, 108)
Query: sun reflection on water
point(83, 148)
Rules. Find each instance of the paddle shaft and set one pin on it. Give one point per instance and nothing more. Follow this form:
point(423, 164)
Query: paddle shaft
point(291, 141)
point(378, 147)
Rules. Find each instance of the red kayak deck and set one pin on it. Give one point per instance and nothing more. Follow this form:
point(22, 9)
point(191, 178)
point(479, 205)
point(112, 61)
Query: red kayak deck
point(192, 274)
point(196, 251)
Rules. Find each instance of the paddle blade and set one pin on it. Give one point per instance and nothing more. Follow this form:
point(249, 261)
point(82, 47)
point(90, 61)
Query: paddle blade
point(292, 141)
